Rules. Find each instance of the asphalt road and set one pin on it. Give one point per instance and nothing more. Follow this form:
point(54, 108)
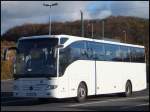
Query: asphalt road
point(139, 101)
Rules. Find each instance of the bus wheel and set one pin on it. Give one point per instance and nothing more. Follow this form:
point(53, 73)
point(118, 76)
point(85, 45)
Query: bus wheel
point(81, 93)
point(128, 89)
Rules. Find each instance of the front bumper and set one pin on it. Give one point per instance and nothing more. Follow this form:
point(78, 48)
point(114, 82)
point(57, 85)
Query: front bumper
point(35, 94)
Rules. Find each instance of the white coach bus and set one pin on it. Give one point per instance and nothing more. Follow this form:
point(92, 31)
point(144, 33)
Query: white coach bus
point(63, 66)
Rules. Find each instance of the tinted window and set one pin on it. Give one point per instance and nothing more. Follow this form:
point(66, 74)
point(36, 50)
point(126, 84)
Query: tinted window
point(137, 55)
point(97, 51)
point(117, 53)
point(84, 50)
point(63, 40)
point(78, 50)
point(125, 53)
point(36, 53)
point(90, 55)
point(75, 51)
point(112, 52)
point(133, 54)
point(140, 55)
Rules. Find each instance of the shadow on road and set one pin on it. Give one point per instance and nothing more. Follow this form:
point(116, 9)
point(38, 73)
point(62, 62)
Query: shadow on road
point(30, 102)
point(35, 101)
point(110, 108)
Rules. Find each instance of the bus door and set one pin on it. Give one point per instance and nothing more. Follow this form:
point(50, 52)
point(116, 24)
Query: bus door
point(100, 80)
point(92, 63)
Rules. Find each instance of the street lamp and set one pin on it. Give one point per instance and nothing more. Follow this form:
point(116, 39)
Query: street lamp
point(125, 35)
point(91, 24)
point(103, 29)
point(92, 29)
point(50, 5)
point(82, 24)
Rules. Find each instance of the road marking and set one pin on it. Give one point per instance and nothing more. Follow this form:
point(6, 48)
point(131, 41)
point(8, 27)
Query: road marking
point(123, 99)
point(144, 104)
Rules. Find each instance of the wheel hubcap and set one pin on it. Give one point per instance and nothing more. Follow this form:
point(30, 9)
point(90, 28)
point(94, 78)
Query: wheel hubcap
point(128, 90)
point(82, 92)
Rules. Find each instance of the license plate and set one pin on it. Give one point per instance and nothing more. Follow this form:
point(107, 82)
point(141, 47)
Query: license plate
point(31, 94)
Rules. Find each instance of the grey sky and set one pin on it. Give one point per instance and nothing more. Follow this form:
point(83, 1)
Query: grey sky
point(19, 12)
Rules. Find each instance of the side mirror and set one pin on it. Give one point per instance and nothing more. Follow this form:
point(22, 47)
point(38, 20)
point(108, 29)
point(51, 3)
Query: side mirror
point(56, 49)
point(6, 51)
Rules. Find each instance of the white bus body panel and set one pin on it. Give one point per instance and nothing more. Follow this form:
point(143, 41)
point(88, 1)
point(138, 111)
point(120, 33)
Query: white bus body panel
point(112, 76)
point(79, 71)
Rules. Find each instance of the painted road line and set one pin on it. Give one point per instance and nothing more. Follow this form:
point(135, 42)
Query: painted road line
point(123, 99)
point(145, 104)
point(142, 104)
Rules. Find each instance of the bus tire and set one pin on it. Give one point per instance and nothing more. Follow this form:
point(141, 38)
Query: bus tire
point(81, 93)
point(128, 89)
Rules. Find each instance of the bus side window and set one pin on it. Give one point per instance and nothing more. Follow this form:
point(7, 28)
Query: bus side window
point(128, 59)
point(73, 52)
point(108, 52)
point(111, 52)
point(89, 51)
point(125, 53)
point(140, 57)
point(117, 53)
point(133, 54)
point(98, 51)
point(64, 57)
point(78, 50)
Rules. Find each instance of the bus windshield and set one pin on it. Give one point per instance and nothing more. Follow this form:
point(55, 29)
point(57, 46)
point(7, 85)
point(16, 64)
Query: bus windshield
point(36, 58)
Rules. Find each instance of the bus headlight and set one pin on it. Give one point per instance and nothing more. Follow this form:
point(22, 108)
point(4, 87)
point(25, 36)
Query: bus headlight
point(51, 87)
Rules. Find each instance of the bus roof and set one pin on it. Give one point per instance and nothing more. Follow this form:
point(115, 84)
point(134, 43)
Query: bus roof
point(76, 38)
